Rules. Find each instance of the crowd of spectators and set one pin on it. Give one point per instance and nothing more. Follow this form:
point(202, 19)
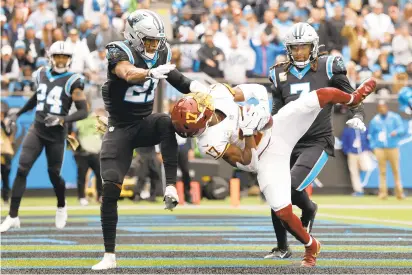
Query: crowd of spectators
point(243, 38)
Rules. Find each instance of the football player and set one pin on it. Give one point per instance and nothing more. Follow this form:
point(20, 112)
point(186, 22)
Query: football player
point(57, 88)
point(225, 130)
point(307, 70)
point(135, 67)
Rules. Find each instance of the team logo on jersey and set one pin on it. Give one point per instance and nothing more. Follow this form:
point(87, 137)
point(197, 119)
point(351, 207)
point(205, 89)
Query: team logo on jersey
point(111, 128)
point(283, 77)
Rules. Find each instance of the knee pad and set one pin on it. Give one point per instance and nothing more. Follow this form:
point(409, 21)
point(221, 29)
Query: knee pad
point(111, 176)
point(110, 190)
point(285, 214)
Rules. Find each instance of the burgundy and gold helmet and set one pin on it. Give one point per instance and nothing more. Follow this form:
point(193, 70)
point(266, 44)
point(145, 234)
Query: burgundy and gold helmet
point(191, 114)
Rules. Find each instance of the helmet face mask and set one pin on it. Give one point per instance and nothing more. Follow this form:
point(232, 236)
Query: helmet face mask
point(296, 41)
point(145, 32)
point(60, 62)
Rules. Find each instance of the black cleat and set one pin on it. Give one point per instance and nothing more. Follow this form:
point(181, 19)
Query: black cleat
point(279, 253)
point(308, 221)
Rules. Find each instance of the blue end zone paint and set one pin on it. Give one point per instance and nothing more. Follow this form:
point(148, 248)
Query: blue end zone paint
point(173, 234)
point(23, 240)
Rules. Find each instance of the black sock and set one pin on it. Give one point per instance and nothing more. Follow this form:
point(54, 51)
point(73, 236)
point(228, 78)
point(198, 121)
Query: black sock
point(17, 191)
point(59, 186)
point(301, 200)
point(109, 217)
point(280, 231)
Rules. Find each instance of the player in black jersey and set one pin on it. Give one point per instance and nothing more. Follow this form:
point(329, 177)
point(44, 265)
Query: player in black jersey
point(56, 88)
point(307, 70)
point(135, 67)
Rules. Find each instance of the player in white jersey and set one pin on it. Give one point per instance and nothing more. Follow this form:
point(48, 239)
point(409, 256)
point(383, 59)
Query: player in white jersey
point(238, 135)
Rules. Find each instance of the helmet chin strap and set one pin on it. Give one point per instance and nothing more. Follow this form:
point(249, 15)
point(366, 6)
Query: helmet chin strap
point(59, 70)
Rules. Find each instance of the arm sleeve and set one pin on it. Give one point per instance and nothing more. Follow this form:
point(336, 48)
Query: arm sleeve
point(115, 54)
point(30, 104)
point(340, 80)
point(179, 81)
point(80, 114)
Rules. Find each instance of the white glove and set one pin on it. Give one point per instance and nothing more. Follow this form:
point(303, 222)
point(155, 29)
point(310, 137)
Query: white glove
point(161, 71)
point(196, 86)
point(171, 198)
point(52, 120)
point(264, 114)
point(356, 123)
point(250, 121)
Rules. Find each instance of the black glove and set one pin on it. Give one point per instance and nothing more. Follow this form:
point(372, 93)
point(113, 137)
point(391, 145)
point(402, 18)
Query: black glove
point(53, 120)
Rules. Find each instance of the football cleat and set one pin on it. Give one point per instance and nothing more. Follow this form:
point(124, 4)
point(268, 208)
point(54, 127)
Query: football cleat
point(308, 223)
point(61, 217)
point(279, 253)
point(8, 223)
point(108, 262)
point(311, 253)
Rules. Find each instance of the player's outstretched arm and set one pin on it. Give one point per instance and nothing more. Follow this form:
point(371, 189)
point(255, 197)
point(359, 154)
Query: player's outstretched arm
point(125, 70)
point(184, 84)
point(30, 104)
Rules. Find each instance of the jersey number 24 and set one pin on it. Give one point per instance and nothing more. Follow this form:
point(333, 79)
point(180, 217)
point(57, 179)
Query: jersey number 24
point(52, 98)
point(141, 93)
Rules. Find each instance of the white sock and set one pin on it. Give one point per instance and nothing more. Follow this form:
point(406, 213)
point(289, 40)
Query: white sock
point(309, 243)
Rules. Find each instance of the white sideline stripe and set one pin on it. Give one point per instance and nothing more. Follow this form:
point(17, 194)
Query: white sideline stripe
point(214, 207)
point(362, 219)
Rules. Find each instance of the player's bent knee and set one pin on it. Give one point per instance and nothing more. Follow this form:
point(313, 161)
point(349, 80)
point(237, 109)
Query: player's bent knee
point(285, 214)
point(111, 176)
point(111, 190)
point(54, 174)
point(22, 171)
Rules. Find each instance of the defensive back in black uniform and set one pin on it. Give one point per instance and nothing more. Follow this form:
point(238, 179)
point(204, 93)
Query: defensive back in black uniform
point(135, 67)
point(56, 88)
point(307, 70)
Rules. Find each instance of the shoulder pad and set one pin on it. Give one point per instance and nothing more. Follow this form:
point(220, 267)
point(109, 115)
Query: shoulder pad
point(118, 48)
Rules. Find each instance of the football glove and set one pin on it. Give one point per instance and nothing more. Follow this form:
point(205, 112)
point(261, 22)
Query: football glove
point(356, 123)
point(102, 124)
point(250, 121)
point(161, 71)
point(52, 120)
point(74, 144)
point(171, 198)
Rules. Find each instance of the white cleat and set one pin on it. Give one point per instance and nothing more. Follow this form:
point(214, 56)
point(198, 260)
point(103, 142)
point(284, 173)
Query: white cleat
point(84, 202)
point(8, 223)
point(108, 262)
point(61, 217)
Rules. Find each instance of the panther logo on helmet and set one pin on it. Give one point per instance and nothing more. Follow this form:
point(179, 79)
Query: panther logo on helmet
point(60, 56)
point(144, 30)
point(192, 113)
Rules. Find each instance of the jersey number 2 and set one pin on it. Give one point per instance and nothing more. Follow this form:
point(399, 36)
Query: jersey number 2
point(53, 98)
point(300, 88)
point(141, 93)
